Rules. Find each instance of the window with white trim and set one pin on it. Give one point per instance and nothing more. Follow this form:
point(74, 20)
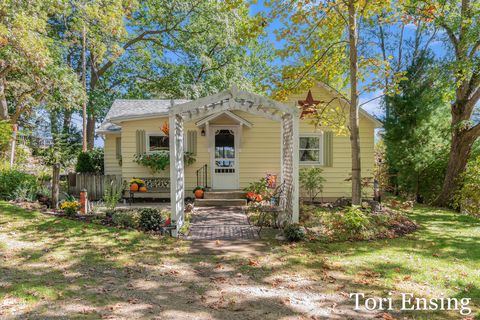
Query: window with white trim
point(157, 142)
point(310, 148)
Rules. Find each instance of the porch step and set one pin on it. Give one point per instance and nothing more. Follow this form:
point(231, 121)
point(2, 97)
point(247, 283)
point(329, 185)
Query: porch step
point(231, 194)
point(220, 202)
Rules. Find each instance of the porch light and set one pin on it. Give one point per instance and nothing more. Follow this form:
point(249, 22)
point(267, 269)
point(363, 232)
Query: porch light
point(203, 132)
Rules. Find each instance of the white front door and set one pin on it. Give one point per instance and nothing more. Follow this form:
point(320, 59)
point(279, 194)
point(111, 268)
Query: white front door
point(224, 152)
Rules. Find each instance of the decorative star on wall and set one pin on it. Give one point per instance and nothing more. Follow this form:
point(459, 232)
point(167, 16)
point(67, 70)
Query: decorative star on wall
point(308, 105)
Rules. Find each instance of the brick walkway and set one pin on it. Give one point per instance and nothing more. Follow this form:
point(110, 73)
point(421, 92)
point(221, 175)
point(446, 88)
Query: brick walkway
point(220, 223)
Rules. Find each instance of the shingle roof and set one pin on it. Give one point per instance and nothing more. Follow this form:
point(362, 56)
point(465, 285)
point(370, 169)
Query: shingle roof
point(124, 109)
point(131, 109)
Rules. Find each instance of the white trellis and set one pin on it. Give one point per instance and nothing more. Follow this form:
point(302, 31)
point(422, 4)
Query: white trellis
point(229, 100)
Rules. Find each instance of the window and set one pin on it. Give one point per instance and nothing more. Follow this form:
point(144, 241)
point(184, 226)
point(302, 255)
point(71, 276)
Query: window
point(157, 142)
point(311, 149)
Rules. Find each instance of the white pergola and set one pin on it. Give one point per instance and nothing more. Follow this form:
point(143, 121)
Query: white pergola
point(229, 100)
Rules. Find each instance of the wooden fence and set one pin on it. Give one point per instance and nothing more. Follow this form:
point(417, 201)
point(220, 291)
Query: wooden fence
point(95, 184)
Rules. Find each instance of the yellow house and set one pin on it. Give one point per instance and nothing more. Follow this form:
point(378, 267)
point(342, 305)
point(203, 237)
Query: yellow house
point(236, 138)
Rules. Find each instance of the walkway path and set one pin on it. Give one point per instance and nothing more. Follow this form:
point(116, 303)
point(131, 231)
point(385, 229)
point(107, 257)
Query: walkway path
point(221, 223)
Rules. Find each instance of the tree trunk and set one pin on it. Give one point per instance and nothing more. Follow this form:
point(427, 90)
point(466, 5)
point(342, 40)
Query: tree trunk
point(353, 118)
point(459, 154)
point(3, 101)
point(91, 130)
point(55, 185)
point(84, 83)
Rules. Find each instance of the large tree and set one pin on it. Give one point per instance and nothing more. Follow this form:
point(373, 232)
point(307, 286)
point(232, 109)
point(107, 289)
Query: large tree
point(25, 56)
point(130, 43)
point(323, 42)
point(459, 19)
point(416, 129)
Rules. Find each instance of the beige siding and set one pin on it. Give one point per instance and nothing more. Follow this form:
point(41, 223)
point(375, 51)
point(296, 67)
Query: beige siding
point(259, 152)
point(111, 162)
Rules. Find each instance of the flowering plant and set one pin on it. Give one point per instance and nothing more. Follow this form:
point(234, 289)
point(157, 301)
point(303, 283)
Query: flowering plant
point(140, 182)
point(159, 160)
point(70, 207)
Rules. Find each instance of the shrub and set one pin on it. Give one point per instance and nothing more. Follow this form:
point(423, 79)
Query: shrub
point(151, 219)
point(113, 193)
point(467, 198)
point(15, 183)
point(126, 219)
point(90, 161)
point(311, 180)
point(70, 207)
point(294, 232)
point(5, 135)
point(354, 219)
point(258, 187)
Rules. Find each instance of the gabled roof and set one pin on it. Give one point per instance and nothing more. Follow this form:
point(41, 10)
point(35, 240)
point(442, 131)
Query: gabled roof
point(228, 114)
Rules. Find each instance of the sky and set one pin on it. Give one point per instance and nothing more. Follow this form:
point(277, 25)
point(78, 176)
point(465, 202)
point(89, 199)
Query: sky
point(373, 107)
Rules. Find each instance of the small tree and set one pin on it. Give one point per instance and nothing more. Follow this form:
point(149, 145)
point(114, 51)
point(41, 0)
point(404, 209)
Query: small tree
point(113, 194)
point(311, 180)
point(467, 198)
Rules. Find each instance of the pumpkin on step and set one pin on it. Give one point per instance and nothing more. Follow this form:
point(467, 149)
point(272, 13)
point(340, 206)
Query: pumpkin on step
point(199, 192)
point(142, 189)
point(134, 187)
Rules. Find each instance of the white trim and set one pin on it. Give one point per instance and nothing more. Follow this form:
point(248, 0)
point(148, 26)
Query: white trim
point(320, 148)
point(147, 141)
point(228, 114)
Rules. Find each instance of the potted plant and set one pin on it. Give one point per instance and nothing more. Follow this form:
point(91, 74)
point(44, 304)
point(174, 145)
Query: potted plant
point(199, 191)
point(136, 184)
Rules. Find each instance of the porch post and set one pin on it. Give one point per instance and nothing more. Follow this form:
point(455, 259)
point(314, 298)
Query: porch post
point(177, 170)
point(289, 166)
point(295, 168)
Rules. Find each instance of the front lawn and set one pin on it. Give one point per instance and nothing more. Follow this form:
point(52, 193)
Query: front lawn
point(53, 267)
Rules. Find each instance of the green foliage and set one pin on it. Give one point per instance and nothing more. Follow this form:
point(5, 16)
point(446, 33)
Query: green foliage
point(354, 219)
point(258, 187)
point(91, 161)
point(311, 180)
point(70, 207)
point(156, 162)
point(159, 160)
point(17, 185)
point(294, 232)
point(126, 219)
point(417, 130)
point(467, 198)
point(113, 193)
point(5, 136)
point(151, 219)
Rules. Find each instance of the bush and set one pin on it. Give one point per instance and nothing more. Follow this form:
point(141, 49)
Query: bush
point(112, 194)
point(5, 136)
point(151, 219)
point(126, 219)
point(311, 181)
point(15, 183)
point(467, 198)
point(90, 161)
point(354, 219)
point(294, 232)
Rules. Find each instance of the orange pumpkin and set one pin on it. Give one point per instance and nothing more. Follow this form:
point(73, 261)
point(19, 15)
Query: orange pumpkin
point(134, 187)
point(142, 189)
point(259, 198)
point(199, 194)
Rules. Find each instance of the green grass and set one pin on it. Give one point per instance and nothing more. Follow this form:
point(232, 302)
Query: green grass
point(47, 262)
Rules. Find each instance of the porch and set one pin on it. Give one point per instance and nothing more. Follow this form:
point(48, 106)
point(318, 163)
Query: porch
point(224, 144)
